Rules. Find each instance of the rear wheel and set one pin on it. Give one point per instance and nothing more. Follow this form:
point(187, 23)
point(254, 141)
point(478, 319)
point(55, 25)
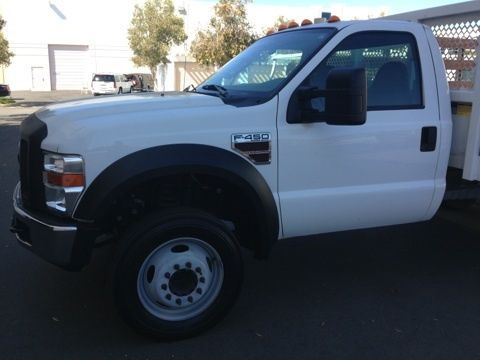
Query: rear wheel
point(178, 274)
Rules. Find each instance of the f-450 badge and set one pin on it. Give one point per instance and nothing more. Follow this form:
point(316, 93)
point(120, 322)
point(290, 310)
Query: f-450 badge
point(257, 147)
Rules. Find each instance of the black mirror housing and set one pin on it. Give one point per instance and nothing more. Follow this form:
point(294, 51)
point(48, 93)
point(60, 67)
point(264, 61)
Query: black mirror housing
point(346, 97)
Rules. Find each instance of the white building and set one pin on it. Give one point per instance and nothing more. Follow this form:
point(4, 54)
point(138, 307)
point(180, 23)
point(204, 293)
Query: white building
point(59, 44)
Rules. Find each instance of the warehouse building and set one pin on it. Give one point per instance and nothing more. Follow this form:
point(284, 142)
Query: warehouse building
point(60, 44)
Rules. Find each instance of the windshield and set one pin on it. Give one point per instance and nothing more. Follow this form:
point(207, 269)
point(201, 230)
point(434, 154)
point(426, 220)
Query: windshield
point(264, 67)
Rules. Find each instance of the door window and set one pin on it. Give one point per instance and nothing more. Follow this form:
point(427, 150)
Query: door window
point(391, 64)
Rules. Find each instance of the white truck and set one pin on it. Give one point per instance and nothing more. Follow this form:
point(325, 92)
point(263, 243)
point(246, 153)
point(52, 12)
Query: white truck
point(321, 128)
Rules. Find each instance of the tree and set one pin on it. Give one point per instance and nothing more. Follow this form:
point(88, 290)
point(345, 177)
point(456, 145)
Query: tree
point(227, 34)
point(154, 30)
point(5, 54)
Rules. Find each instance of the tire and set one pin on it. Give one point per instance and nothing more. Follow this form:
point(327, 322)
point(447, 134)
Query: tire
point(120, 90)
point(178, 274)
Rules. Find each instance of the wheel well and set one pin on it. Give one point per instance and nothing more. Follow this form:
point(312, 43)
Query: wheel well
point(209, 193)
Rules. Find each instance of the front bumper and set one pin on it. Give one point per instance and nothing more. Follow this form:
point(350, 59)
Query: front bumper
point(104, 91)
point(58, 242)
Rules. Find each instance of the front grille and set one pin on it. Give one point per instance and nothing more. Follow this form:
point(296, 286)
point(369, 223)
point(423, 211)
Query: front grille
point(32, 133)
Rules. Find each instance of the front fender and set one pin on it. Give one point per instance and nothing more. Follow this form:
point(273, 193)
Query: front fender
point(144, 165)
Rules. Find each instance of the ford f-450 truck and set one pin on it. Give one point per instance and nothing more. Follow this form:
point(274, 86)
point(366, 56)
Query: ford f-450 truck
point(321, 128)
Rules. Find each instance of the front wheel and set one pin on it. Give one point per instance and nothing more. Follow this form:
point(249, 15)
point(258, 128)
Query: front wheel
point(178, 274)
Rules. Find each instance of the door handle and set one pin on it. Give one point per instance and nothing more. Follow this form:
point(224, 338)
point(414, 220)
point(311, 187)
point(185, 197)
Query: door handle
point(428, 141)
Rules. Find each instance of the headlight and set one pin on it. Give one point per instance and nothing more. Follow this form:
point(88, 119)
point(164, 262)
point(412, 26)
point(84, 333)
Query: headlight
point(64, 180)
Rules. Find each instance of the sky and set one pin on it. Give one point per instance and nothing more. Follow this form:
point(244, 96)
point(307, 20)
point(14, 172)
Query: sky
point(394, 6)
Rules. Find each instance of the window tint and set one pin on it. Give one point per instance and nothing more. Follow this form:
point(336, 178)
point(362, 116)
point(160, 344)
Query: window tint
point(391, 64)
point(103, 78)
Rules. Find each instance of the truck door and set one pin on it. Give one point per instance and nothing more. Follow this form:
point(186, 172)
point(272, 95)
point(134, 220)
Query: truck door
point(334, 178)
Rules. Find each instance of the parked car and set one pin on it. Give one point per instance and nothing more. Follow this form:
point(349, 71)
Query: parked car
point(141, 82)
point(4, 90)
point(110, 84)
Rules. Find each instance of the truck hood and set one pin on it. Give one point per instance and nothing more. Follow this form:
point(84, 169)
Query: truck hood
point(124, 105)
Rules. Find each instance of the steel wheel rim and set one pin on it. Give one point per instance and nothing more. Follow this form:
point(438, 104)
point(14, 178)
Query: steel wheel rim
point(180, 279)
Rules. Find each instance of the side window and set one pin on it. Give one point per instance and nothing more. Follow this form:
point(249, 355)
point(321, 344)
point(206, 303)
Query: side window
point(390, 60)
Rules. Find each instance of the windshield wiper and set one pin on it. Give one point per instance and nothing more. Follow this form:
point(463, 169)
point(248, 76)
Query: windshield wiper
point(217, 88)
point(190, 88)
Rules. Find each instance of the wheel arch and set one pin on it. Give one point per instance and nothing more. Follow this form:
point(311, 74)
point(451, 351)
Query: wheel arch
point(157, 162)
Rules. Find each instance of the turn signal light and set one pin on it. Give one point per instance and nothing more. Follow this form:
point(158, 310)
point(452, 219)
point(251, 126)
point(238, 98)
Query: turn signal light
point(65, 180)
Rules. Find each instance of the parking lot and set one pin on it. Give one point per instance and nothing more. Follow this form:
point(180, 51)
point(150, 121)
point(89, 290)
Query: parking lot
point(402, 292)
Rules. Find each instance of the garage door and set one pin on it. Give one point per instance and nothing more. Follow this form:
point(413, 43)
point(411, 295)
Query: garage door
point(68, 66)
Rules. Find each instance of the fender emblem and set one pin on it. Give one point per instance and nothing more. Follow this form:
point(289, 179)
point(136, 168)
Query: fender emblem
point(257, 147)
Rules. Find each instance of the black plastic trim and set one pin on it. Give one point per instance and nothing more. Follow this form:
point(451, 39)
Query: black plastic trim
point(32, 133)
point(148, 164)
point(428, 141)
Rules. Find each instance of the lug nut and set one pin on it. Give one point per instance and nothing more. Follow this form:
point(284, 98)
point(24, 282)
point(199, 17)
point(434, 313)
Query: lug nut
point(169, 297)
point(176, 267)
point(190, 299)
point(199, 291)
point(202, 279)
point(198, 270)
point(188, 265)
point(178, 301)
point(164, 286)
point(167, 275)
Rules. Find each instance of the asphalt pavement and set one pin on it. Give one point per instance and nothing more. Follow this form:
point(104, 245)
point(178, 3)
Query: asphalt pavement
point(401, 292)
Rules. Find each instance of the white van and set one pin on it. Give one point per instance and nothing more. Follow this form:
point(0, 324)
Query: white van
point(110, 84)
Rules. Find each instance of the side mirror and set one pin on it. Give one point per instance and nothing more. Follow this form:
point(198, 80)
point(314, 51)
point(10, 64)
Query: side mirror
point(345, 100)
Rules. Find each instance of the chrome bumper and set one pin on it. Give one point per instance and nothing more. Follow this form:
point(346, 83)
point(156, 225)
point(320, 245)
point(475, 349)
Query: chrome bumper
point(48, 237)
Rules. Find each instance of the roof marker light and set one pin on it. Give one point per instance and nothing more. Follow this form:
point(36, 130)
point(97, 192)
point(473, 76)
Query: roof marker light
point(333, 18)
point(292, 24)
